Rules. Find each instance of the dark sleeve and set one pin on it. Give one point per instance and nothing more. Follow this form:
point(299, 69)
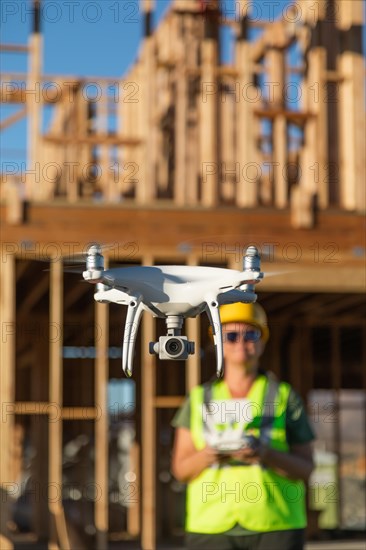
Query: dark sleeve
point(298, 428)
point(182, 418)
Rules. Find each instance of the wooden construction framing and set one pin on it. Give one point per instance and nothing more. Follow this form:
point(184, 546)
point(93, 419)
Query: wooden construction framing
point(151, 400)
point(194, 132)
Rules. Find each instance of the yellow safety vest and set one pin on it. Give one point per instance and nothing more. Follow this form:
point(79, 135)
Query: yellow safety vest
point(254, 496)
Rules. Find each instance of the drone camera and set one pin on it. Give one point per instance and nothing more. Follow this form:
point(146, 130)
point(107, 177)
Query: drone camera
point(172, 347)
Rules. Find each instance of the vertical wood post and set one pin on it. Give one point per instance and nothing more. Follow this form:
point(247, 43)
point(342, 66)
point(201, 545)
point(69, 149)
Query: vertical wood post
point(148, 381)
point(109, 193)
point(34, 106)
point(180, 183)
point(58, 532)
point(246, 192)
point(314, 159)
point(351, 106)
point(193, 364)
point(101, 423)
point(276, 74)
point(209, 162)
point(145, 190)
point(7, 386)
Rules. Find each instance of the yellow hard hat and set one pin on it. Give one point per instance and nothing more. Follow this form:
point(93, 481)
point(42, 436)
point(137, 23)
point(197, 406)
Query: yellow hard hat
point(253, 314)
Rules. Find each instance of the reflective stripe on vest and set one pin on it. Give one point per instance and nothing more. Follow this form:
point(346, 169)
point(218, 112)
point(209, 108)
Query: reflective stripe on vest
point(257, 498)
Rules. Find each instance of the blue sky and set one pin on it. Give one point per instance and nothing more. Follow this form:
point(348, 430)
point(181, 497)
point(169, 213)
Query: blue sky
point(85, 37)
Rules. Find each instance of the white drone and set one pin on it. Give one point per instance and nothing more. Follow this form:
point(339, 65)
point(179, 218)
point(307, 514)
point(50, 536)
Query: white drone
point(172, 293)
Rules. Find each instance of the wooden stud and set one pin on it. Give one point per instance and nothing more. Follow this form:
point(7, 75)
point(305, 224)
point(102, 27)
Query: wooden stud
point(11, 119)
point(302, 208)
point(280, 162)
point(352, 132)
point(148, 381)
point(229, 168)
point(349, 13)
point(208, 124)
point(314, 159)
point(83, 149)
point(192, 128)
point(246, 194)
point(38, 432)
point(145, 190)
point(7, 385)
point(101, 424)
point(193, 363)
point(58, 531)
point(133, 510)
point(168, 401)
point(180, 126)
point(104, 164)
point(276, 80)
point(34, 106)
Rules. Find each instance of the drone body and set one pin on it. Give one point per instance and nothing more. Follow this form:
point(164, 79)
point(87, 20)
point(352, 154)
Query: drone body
point(173, 293)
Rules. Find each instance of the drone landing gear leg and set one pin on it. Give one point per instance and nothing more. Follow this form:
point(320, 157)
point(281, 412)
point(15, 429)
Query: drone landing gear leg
point(214, 317)
point(134, 311)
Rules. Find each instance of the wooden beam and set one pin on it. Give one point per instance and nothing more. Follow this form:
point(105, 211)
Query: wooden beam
point(57, 530)
point(295, 117)
point(193, 364)
point(133, 510)
point(7, 388)
point(275, 63)
point(102, 423)
point(148, 381)
point(302, 208)
point(43, 408)
point(168, 401)
point(16, 48)
point(94, 139)
point(12, 119)
point(145, 190)
point(314, 157)
point(352, 132)
point(34, 107)
point(192, 168)
point(230, 170)
point(245, 154)
point(104, 161)
point(180, 127)
point(349, 13)
point(208, 124)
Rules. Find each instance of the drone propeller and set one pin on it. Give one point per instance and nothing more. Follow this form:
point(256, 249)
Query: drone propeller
point(95, 248)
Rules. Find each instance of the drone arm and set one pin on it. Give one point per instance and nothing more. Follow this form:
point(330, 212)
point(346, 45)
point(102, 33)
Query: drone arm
point(214, 317)
point(134, 311)
point(236, 295)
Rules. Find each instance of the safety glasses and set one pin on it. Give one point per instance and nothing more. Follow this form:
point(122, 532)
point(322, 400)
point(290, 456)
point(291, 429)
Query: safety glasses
point(251, 335)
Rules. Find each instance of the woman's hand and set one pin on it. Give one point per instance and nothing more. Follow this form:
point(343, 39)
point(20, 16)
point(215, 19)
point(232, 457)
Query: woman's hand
point(251, 454)
point(187, 462)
